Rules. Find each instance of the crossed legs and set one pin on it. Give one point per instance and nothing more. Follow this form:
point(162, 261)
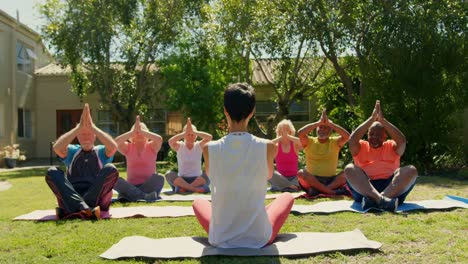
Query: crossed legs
point(99, 193)
point(308, 180)
point(199, 184)
point(404, 178)
point(277, 211)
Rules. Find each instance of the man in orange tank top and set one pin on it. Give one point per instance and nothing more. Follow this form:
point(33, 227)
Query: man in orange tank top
point(376, 178)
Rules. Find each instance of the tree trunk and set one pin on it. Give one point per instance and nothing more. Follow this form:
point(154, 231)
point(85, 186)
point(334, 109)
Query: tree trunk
point(345, 79)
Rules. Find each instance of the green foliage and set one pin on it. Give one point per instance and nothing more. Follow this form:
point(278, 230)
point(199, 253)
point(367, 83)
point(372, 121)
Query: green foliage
point(172, 160)
point(195, 77)
point(419, 71)
point(411, 55)
point(112, 47)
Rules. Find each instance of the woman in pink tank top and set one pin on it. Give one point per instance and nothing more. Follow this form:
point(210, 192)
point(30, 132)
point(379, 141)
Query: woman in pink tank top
point(285, 176)
point(140, 148)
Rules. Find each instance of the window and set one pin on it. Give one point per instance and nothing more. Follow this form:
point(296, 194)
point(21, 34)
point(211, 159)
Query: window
point(264, 109)
point(24, 58)
point(174, 123)
point(298, 111)
point(107, 124)
point(156, 122)
point(24, 123)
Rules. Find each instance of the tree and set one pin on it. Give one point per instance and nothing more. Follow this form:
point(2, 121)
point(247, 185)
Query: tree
point(112, 47)
point(195, 76)
point(277, 37)
point(418, 70)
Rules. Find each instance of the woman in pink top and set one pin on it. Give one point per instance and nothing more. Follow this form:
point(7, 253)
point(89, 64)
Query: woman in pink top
point(285, 176)
point(140, 147)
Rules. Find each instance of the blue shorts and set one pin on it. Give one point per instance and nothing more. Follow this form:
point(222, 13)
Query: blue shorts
point(380, 186)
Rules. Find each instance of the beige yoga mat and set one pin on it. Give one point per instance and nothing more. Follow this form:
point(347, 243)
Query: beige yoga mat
point(293, 244)
point(318, 208)
point(346, 205)
point(119, 212)
point(168, 196)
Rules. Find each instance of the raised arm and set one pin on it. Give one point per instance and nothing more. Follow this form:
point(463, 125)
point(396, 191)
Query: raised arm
point(344, 134)
point(121, 141)
point(304, 132)
point(394, 133)
point(61, 144)
point(156, 140)
point(174, 141)
point(206, 158)
point(206, 137)
point(353, 143)
point(297, 143)
point(272, 149)
point(106, 139)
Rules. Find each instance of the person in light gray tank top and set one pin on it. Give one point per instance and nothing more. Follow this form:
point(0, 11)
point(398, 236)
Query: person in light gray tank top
point(239, 166)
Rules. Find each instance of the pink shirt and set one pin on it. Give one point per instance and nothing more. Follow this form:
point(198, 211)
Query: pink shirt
point(140, 167)
point(377, 163)
point(287, 163)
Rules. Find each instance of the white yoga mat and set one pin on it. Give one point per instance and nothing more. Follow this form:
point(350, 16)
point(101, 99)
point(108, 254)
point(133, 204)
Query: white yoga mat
point(293, 244)
point(346, 205)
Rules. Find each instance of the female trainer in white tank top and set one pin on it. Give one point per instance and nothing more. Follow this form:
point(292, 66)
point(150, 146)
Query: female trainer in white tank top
point(239, 166)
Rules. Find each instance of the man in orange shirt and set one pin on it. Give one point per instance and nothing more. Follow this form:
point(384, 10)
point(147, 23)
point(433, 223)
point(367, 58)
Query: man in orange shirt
point(376, 179)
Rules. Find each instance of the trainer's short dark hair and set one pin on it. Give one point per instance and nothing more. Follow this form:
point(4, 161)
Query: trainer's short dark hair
point(239, 101)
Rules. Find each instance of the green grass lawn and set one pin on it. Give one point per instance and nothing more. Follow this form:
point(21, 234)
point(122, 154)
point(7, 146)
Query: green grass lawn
point(416, 237)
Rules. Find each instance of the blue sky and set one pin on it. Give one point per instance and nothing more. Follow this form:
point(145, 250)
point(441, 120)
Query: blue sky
point(28, 11)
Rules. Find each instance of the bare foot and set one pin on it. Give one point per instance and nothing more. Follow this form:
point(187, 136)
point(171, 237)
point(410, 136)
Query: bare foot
point(294, 187)
point(200, 190)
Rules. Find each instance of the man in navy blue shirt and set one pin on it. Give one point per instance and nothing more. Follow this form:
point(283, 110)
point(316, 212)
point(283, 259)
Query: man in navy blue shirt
point(86, 188)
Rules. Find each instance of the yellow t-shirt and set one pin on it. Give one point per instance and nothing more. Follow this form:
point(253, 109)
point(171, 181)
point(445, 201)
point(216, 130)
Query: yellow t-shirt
point(322, 159)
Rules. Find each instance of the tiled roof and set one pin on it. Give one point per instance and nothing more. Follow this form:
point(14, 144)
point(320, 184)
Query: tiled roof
point(52, 69)
point(262, 72)
point(55, 69)
point(259, 76)
point(264, 69)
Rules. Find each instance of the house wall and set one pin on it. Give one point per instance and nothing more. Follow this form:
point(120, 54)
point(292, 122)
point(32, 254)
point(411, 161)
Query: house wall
point(16, 86)
point(54, 93)
point(265, 93)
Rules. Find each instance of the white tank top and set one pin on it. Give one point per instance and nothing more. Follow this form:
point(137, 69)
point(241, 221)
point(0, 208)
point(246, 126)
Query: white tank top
point(189, 160)
point(238, 173)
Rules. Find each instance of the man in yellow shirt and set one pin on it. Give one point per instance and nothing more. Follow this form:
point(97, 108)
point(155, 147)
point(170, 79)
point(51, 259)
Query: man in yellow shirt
point(321, 153)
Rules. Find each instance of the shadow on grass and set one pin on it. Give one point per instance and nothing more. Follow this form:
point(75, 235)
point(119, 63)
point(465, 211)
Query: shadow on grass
point(26, 173)
point(16, 174)
point(442, 181)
